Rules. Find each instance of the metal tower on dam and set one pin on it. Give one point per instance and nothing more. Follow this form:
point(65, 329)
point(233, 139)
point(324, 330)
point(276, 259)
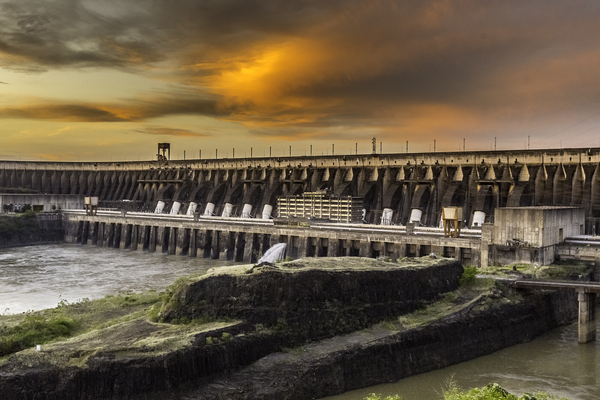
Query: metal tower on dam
point(413, 185)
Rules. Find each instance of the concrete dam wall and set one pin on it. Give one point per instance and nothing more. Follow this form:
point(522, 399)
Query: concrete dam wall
point(414, 186)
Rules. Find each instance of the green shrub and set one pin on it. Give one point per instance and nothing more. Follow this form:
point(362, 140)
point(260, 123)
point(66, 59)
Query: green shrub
point(34, 329)
point(226, 337)
point(374, 396)
point(468, 275)
point(493, 391)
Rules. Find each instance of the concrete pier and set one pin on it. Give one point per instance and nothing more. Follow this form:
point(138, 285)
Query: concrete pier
point(587, 316)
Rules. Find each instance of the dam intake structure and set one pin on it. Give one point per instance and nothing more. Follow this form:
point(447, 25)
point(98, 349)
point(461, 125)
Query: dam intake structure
point(396, 189)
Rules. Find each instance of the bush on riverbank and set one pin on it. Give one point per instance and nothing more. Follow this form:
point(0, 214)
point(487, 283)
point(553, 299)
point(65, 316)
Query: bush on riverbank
point(35, 329)
point(493, 391)
point(22, 331)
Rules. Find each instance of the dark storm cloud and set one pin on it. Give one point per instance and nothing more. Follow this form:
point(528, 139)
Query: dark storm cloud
point(280, 65)
point(131, 110)
point(61, 112)
point(157, 130)
point(36, 35)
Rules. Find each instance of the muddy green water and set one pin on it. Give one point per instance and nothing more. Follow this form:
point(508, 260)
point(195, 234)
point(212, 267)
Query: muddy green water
point(553, 362)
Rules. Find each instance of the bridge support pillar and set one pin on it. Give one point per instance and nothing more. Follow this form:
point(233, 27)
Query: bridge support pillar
point(93, 233)
point(240, 246)
point(193, 250)
point(364, 249)
point(183, 241)
point(152, 240)
point(216, 245)
point(249, 247)
point(332, 247)
point(85, 232)
point(587, 317)
point(458, 254)
point(135, 238)
point(230, 245)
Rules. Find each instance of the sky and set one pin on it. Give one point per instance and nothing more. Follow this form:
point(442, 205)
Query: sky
point(102, 80)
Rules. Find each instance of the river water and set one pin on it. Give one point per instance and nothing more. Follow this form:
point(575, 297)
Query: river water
point(37, 277)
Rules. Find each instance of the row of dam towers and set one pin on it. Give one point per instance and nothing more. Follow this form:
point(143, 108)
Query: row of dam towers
point(407, 184)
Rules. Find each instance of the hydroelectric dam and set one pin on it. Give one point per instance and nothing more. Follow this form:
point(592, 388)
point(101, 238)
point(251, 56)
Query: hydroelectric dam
point(223, 207)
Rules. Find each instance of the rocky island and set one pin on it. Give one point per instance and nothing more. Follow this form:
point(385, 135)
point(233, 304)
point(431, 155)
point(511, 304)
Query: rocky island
point(302, 329)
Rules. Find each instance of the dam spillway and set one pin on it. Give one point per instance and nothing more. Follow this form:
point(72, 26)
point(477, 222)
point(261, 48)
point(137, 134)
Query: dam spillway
point(404, 186)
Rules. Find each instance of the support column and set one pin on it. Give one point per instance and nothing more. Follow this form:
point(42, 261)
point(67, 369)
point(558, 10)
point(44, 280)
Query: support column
point(487, 230)
point(116, 242)
point(93, 233)
point(240, 246)
point(125, 237)
point(216, 245)
point(458, 254)
point(183, 241)
point(172, 246)
point(400, 250)
point(332, 247)
point(300, 242)
point(100, 234)
point(230, 246)
point(364, 249)
point(587, 317)
point(152, 240)
point(193, 251)
point(248, 247)
point(85, 233)
point(135, 237)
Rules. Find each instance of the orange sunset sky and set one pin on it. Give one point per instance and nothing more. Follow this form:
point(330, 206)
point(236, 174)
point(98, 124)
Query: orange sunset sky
point(109, 79)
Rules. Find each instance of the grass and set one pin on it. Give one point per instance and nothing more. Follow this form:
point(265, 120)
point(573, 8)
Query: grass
point(564, 270)
point(21, 331)
point(34, 329)
point(478, 293)
point(493, 391)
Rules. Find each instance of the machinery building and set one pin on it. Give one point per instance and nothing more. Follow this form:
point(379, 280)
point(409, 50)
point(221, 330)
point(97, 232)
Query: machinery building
point(321, 205)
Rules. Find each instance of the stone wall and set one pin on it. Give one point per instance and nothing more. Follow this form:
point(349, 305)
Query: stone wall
point(317, 298)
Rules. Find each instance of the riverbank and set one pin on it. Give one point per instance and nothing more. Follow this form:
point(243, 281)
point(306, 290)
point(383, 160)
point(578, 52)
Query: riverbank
point(220, 349)
point(30, 229)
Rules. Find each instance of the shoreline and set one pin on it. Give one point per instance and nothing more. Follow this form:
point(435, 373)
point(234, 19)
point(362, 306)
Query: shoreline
point(241, 360)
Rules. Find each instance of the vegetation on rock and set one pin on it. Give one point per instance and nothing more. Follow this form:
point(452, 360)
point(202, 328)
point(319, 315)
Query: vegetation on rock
point(493, 391)
point(560, 270)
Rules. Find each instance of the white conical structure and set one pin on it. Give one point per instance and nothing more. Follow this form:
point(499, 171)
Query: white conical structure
point(524, 174)
point(274, 254)
point(490, 174)
point(349, 175)
point(429, 173)
point(400, 175)
point(374, 176)
point(458, 175)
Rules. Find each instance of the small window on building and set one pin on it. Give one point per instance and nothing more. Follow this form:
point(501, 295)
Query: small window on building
point(581, 231)
point(560, 235)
